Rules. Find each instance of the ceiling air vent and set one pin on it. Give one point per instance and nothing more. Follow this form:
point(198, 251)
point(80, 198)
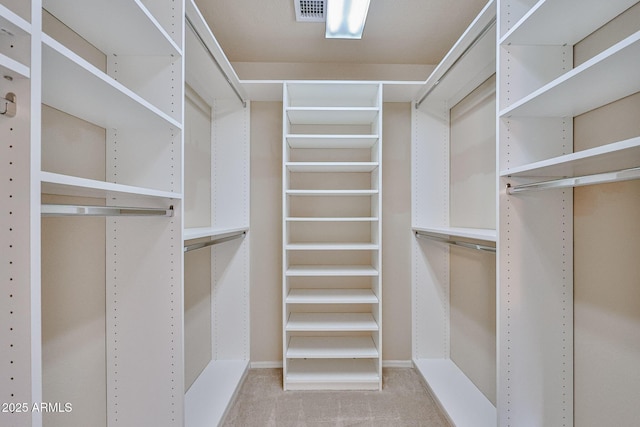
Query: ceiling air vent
point(310, 10)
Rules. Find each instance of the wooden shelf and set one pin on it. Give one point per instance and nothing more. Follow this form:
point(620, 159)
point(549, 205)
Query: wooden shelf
point(463, 402)
point(111, 26)
point(331, 296)
point(332, 219)
point(331, 348)
point(331, 270)
point(331, 322)
point(331, 192)
point(607, 158)
point(332, 247)
point(332, 374)
point(53, 183)
point(72, 85)
point(201, 232)
point(331, 141)
point(332, 115)
point(557, 23)
point(332, 166)
point(485, 234)
point(605, 78)
point(208, 398)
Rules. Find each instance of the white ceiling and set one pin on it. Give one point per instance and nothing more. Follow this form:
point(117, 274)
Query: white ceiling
point(397, 32)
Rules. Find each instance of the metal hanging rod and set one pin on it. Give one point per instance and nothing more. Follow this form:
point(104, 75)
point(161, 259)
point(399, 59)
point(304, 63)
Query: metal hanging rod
point(195, 246)
point(577, 181)
point(215, 61)
point(467, 245)
point(75, 210)
point(475, 41)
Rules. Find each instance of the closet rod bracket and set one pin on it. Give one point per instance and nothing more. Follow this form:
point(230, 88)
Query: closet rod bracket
point(9, 102)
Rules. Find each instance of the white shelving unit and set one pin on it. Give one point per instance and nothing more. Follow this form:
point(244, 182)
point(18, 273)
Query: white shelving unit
point(216, 234)
point(102, 136)
point(539, 100)
point(446, 182)
point(331, 235)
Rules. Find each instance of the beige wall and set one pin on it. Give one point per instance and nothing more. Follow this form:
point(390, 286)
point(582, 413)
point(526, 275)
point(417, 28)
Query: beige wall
point(266, 232)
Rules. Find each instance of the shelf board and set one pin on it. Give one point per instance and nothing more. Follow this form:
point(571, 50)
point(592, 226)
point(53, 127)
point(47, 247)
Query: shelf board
point(207, 399)
point(13, 23)
point(331, 296)
point(53, 183)
point(606, 158)
point(332, 115)
point(555, 22)
point(331, 141)
point(331, 322)
point(331, 166)
point(112, 25)
point(332, 374)
point(331, 192)
point(464, 404)
point(459, 73)
point(14, 69)
point(72, 85)
point(331, 219)
point(331, 348)
point(486, 234)
point(333, 94)
point(331, 270)
point(607, 77)
point(201, 232)
point(332, 247)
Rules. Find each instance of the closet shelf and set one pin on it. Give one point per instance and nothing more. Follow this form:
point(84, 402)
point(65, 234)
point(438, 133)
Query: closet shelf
point(485, 234)
point(331, 270)
point(331, 348)
point(200, 232)
point(14, 69)
point(331, 322)
point(332, 247)
point(331, 166)
point(332, 374)
point(331, 141)
point(557, 23)
point(463, 402)
point(53, 183)
point(112, 25)
point(332, 94)
point(332, 219)
point(13, 24)
point(605, 78)
point(331, 192)
point(332, 115)
point(72, 85)
point(331, 296)
point(606, 158)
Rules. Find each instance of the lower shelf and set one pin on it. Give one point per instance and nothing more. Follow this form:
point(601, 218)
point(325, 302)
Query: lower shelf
point(461, 400)
point(332, 374)
point(331, 348)
point(207, 399)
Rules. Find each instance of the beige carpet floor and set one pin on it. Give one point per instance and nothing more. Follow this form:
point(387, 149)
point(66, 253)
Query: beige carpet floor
point(403, 402)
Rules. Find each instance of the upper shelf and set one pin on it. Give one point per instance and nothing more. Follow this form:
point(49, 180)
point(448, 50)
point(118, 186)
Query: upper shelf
point(607, 77)
point(12, 23)
point(322, 94)
point(560, 22)
point(611, 157)
point(72, 85)
point(332, 115)
point(331, 141)
point(122, 27)
point(471, 60)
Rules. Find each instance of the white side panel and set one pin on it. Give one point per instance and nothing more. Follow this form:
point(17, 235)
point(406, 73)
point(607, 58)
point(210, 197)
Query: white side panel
point(230, 171)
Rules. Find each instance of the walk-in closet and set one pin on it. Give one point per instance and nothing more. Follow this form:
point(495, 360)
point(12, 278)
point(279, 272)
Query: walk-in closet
point(218, 214)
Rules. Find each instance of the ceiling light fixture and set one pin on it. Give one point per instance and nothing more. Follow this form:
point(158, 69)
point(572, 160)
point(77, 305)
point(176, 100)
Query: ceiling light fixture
point(346, 18)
